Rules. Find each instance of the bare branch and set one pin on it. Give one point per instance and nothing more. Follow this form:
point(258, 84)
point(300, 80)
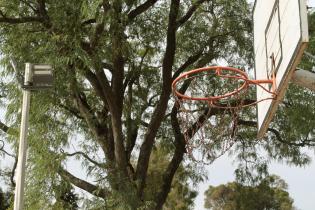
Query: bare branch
point(180, 150)
point(72, 110)
point(190, 12)
point(88, 187)
point(15, 162)
point(189, 133)
point(43, 13)
point(98, 88)
point(98, 130)
point(132, 76)
point(4, 127)
point(141, 9)
point(101, 165)
point(98, 79)
point(103, 89)
point(14, 20)
point(29, 5)
point(89, 21)
point(191, 60)
point(107, 91)
point(4, 151)
point(108, 66)
point(132, 127)
point(304, 142)
point(13, 172)
point(159, 112)
point(277, 134)
point(247, 123)
point(99, 28)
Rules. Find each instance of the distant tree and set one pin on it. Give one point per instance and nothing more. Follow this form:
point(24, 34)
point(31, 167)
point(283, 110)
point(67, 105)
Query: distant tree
point(269, 194)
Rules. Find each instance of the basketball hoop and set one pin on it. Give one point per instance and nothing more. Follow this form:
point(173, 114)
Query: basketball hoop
point(209, 103)
point(227, 73)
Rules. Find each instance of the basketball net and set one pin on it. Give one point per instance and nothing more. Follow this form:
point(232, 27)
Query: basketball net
point(210, 102)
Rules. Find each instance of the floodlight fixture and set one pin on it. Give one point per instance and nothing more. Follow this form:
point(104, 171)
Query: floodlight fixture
point(39, 76)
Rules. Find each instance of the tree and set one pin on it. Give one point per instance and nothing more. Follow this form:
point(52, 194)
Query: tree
point(66, 198)
point(270, 193)
point(114, 63)
point(5, 200)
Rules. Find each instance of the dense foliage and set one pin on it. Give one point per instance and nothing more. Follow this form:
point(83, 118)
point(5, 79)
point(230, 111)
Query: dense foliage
point(5, 200)
point(111, 109)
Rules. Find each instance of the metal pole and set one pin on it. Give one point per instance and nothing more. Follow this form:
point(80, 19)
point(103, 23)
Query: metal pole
point(20, 177)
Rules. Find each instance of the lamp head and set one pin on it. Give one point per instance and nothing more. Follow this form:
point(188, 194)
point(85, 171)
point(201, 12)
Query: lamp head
point(38, 76)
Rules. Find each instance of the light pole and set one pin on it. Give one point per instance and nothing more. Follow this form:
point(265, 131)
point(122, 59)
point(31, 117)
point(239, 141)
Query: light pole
point(36, 77)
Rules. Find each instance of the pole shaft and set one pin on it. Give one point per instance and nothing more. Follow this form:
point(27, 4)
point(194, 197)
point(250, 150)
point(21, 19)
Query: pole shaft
point(21, 166)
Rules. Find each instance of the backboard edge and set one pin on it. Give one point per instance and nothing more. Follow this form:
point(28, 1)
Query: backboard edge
point(285, 83)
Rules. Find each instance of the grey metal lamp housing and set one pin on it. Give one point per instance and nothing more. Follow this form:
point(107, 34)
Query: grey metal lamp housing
point(41, 77)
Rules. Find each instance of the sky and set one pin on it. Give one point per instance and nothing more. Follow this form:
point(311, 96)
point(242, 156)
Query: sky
point(301, 180)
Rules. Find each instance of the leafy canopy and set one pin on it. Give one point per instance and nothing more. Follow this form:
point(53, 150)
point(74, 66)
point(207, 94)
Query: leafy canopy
point(270, 193)
point(111, 106)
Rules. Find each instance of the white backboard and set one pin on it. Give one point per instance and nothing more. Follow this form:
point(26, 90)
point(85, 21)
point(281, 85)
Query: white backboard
point(280, 37)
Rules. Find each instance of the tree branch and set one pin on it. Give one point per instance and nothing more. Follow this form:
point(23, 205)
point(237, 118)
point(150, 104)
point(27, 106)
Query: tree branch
point(101, 165)
point(98, 130)
point(190, 132)
point(89, 21)
point(107, 93)
point(131, 75)
point(88, 187)
point(4, 127)
point(42, 16)
point(13, 172)
point(190, 12)
point(14, 165)
point(191, 60)
point(169, 173)
point(108, 66)
point(4, 151)
point(29, 4)
point(141, 9)
point(43, 13)
point(131, 125)
point(98, 88)
point(98, 79)
point(99, 28)
point(71, 110)
point(13, 20)
point(104, 90)
point(8, 130)
point(277, 134)
point(159, 112)
point(303, 143)
point(118, 39)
